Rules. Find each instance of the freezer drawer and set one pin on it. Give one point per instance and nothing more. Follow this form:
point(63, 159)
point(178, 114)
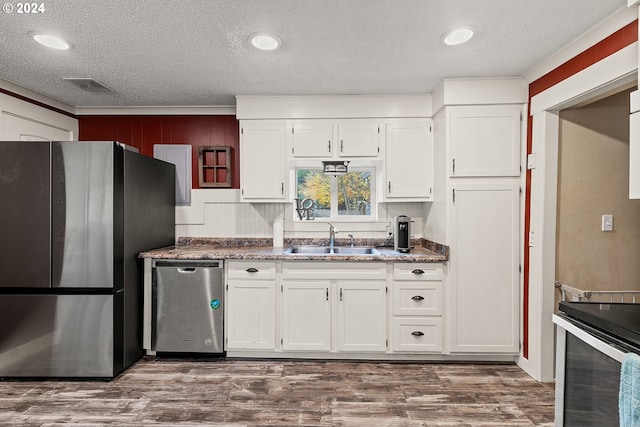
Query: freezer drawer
point(188, 306)
point(59, 336)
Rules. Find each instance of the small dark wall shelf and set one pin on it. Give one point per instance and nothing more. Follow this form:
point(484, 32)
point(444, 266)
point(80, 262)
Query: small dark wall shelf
point(214, 166)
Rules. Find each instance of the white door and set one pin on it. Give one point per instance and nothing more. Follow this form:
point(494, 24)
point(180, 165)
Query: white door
point(484, 140)
point(358, 138)
point(251, 316)
point(312, 138)
point(409, 159)
point(306, 316)
point(362, 316)
point(484, 267)
point(263, 168)
point(24, 129)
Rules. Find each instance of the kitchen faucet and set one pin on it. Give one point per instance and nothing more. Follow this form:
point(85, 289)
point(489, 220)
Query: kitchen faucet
point(332, 236)
point(350, 239)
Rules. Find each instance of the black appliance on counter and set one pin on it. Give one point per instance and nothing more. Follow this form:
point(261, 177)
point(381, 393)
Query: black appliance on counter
point(74, 217)
point(402, 234)
point(592, 339)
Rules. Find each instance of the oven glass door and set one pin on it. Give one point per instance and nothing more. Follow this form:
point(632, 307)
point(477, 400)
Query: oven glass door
point(592, 382)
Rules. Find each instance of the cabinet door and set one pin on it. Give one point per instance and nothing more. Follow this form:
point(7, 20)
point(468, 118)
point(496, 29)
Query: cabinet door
point(409, 159)
point(358, 138)
point(251, 316)
point(484, 279)
point(362, 316)
point(484, 140)
point(263, 168)
point(306, 316)
point(311, 138)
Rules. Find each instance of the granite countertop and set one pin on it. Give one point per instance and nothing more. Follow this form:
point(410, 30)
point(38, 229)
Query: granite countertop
point(262, 249)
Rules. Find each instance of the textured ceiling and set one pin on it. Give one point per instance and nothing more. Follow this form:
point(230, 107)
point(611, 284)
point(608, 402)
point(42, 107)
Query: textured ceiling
point(195, 52)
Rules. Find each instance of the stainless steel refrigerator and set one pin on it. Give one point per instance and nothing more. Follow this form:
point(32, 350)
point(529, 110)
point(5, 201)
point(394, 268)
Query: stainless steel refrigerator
point(73, 218)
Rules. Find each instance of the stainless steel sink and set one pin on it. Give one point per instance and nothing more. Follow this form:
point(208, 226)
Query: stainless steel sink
point(309, 250)
point(337, 250)
point(355, 250)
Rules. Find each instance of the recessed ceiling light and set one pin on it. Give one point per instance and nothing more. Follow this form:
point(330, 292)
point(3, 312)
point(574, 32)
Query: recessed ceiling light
point(458, 36)
point(51, 41)
point(265, 41)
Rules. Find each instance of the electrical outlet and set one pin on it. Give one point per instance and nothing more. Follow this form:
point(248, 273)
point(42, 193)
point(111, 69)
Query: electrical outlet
point(607, 222)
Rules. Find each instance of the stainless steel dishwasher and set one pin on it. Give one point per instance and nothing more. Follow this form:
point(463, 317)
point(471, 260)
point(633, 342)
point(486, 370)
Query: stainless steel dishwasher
point(188, 306)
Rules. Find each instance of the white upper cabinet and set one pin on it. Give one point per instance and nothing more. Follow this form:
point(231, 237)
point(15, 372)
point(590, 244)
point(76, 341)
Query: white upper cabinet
point(347, 138)
point(409, 160)
point(263, 166)
point(484, 140)
point(358, 138)
point(311, 138)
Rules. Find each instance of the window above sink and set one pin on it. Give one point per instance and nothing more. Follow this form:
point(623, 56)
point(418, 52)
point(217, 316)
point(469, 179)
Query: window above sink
point(347, 196)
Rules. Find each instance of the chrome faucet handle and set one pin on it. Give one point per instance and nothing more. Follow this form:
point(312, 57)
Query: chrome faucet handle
point(350, 239)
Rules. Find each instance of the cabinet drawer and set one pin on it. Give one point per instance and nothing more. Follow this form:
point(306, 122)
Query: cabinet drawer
point(417, 334)
point(251, 269)
point(417, 271)
point(417, 299)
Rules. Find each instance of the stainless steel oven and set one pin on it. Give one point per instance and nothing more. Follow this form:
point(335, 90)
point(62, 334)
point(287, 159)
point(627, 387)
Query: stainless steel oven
point(590, 346)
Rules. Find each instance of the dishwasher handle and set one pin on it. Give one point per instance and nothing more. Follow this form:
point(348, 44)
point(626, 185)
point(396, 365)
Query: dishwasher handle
point(186, 270)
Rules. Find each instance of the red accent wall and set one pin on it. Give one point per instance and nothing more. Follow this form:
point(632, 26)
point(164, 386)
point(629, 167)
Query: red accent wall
point(608, 46)
point(143, 132)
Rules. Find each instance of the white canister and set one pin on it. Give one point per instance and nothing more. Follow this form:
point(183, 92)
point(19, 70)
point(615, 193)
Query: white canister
point(278, 233)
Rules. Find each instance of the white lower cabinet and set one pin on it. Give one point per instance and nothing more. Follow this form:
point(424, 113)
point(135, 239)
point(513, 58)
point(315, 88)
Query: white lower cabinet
point(335, 309)
point(306, 316)
point(333, 313)
point(362, 316)
point(251, 305)
point(417, 334)
point(484, 283)
point(418, 308)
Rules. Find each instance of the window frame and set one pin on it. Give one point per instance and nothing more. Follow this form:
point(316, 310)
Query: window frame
point(334, 215)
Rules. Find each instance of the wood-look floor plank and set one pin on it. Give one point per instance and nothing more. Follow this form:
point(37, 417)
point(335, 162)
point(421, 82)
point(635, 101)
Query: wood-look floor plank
point(218, 392)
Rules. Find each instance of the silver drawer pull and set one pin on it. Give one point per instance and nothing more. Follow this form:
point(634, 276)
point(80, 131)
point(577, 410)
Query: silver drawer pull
point(417, 298)
point(252, 270)
point(417, 333)
point(418, 271)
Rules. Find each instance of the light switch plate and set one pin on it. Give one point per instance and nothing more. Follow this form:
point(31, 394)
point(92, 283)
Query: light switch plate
point(607, 222)
point(531, 161)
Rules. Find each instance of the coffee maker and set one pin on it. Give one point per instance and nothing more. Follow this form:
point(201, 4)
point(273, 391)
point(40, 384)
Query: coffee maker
point(402, 234)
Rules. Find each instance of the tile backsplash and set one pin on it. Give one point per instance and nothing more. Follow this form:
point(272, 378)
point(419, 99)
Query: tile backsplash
point(220, 213)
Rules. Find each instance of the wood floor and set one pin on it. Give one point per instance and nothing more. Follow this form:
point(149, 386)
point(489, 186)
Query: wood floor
point(284, 393)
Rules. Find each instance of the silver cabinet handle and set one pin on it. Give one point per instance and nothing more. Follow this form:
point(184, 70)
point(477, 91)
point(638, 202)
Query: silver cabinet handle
point(341, 146)
point(389, 192)
point(252, 270)
point(418, 298)
point(340, 294)
point(417, 333)
point(418, 271)
point(329, 145)
point(282, 188)
point(327, 294)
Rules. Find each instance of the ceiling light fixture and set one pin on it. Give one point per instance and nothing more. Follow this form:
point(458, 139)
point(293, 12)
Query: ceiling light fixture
point(51, 41)
point(265, 41)
point(458, 36)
